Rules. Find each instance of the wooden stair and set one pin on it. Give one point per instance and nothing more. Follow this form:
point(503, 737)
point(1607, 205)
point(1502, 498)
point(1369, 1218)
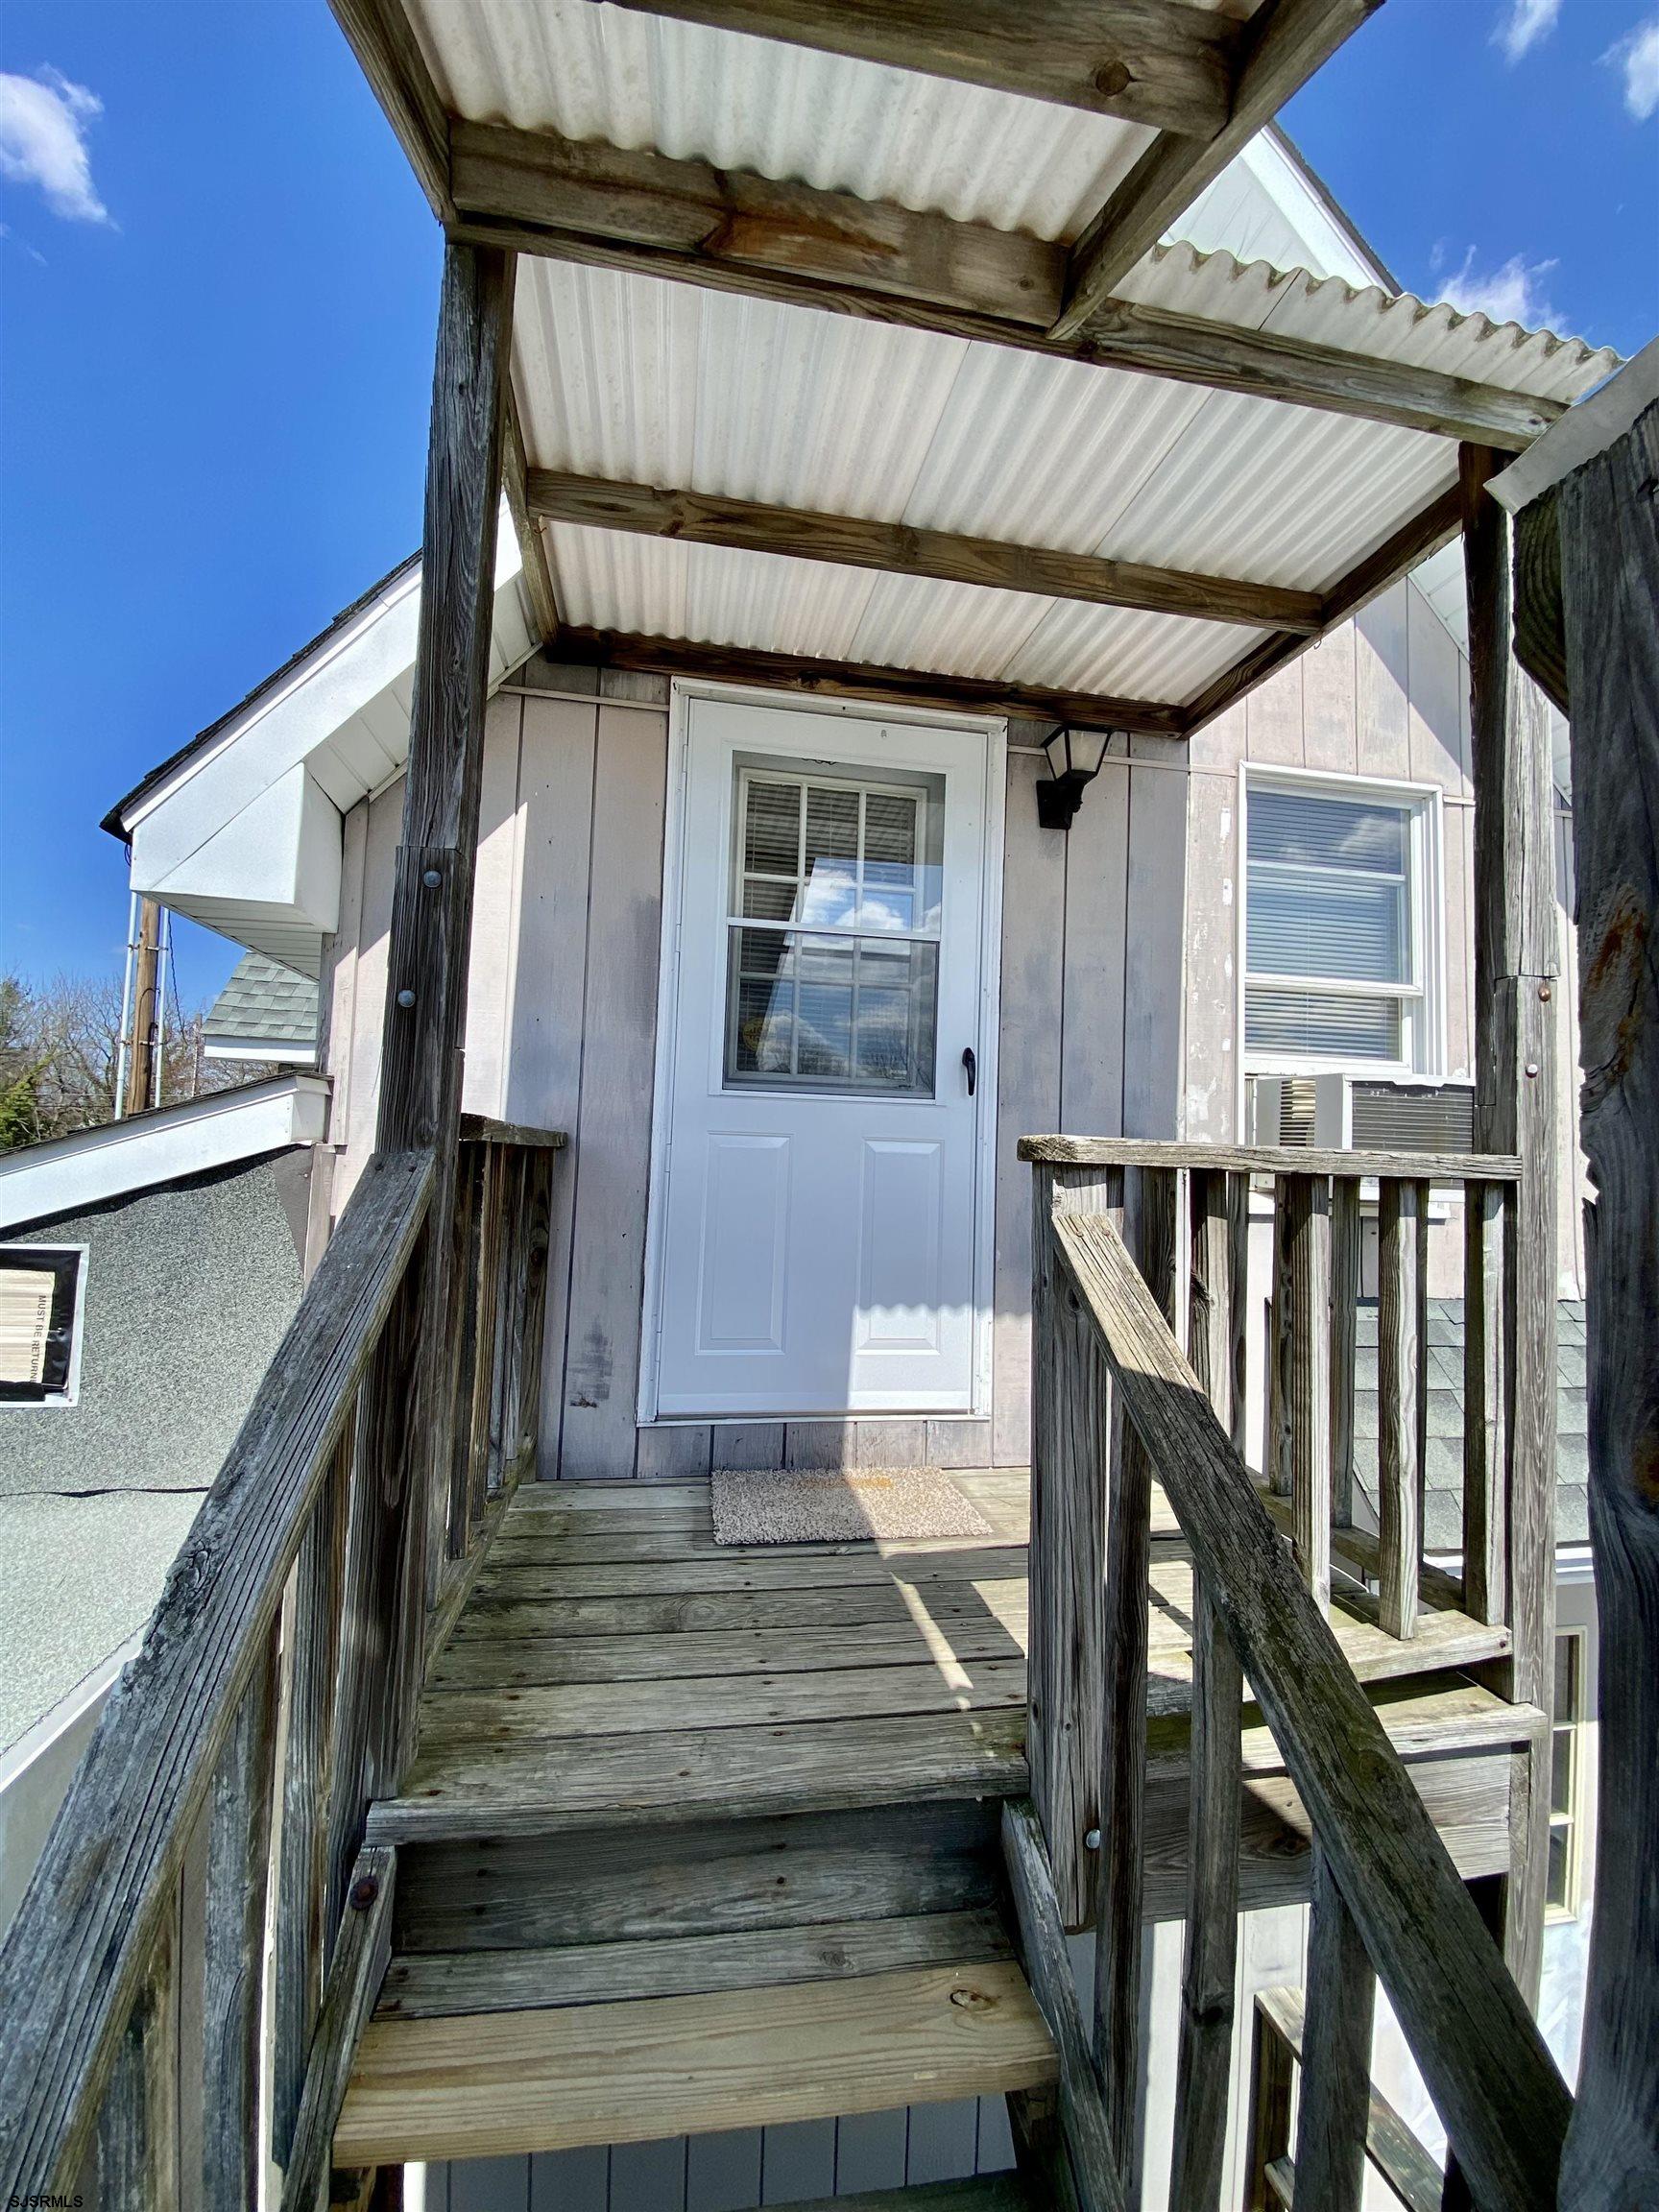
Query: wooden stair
point(484, 2084)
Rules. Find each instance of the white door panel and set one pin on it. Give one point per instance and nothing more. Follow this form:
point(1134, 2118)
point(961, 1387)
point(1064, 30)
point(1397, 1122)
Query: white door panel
point(817, 1210)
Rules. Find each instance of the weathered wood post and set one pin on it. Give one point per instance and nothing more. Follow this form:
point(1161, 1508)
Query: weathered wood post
point(1516, 964)
point(1609, 525)
point(406, 1446)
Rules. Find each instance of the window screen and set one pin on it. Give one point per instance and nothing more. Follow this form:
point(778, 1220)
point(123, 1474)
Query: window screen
point(833, 967)
point(38, 1288)
point(1332, 968)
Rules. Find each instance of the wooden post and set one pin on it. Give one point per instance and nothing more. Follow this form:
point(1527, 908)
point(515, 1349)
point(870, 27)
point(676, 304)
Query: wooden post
point(405, 1447)
point(144, 1019)
point(1123, 1644)
point(1402, 1353)
point(1516, 960)
point(1205, 2061)
point(1071, 1426)
point(1609, 524)
point(1336, 2052)
point(1307, 1200)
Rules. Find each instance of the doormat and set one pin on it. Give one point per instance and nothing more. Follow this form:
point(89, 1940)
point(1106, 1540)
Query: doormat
point(825, 1505)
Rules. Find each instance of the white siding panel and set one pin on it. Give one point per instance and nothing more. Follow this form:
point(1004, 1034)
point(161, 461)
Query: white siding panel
point(1153, 940)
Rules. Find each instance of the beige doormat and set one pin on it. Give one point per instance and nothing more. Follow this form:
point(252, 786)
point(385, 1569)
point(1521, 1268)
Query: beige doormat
point(825, 1505)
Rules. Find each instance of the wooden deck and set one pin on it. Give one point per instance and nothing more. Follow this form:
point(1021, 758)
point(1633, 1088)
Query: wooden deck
point(701, 1837)
point(614, 1663)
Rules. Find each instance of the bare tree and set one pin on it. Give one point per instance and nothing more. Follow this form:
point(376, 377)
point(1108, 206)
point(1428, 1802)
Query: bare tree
point(61, 1048)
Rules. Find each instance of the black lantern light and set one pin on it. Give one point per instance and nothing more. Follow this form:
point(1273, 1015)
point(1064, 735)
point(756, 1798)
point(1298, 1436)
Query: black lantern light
point(1075, 757)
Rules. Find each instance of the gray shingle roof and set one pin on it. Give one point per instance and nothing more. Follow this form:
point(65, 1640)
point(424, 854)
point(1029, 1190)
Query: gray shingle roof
point(264, 1002)
point(1443, 1472)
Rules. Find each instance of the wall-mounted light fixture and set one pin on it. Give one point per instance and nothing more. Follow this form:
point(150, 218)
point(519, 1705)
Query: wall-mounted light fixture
point(1075, 757)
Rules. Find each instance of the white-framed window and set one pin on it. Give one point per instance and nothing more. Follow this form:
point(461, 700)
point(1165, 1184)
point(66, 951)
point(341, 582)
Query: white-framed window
point(1341, 925)
point(42, 1291)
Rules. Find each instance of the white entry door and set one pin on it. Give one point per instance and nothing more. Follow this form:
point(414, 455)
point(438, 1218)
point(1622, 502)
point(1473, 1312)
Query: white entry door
point(818, 1215)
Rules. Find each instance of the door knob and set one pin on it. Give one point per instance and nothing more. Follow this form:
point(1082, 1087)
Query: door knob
point(971, 1068)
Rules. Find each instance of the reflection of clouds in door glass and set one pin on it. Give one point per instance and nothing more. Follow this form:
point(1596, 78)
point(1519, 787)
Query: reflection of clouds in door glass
point(831, 893)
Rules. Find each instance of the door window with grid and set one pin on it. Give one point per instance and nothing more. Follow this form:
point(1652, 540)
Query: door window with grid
point(833, 922)
point(1333, 931)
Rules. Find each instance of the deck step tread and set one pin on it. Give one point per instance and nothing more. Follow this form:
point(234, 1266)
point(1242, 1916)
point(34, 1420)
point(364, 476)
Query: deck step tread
point(503, 2084)
point(428, 1984)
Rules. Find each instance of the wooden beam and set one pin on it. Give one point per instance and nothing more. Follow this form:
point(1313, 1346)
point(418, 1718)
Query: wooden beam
point(362, 1954)
point(532, 546)
point(1609, 524)
point(902, 550)
point(1516, 961)
point(1168, 67)
point(690, 222)
point(1397, 556)
point(378, 33)
point(862, 680)
point(1284, 42)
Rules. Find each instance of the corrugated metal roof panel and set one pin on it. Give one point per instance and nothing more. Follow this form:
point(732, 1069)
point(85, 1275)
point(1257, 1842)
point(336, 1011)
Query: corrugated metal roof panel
point(591, 71)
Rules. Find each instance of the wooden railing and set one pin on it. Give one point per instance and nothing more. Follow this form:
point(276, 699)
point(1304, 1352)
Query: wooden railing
point(1117, 1404)
point(184, 1869)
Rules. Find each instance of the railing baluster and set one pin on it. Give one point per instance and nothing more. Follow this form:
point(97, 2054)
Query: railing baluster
point(138, 2138)
point(1276, 1447)
point(301, 1941)
point(467, 1230)
point(1123, 1742)
point(1204, 2068)
point(479, 1421)
point(1307, 1201)
point(1272, 2084)
point(1070, 1443)
point(536, 1226)
point(233, 1978)
point(1344, 1318)
point(1402, 1309)
point(1486, 1387)
point(1336, 2104)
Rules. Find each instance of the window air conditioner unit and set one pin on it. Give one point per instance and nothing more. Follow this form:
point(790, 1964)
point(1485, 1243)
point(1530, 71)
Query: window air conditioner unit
point(1361, 1114)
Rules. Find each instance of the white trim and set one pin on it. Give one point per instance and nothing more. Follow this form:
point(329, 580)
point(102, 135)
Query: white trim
point(994, 732)
point(1582, 433)
point(93, 1165)
point(260, 1048)
point(70, 1394)
point(1427, 895)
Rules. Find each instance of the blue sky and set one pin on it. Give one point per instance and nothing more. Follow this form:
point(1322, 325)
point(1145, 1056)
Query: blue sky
point(217, 288)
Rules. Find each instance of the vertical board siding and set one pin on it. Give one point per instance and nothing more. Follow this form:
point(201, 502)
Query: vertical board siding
point(1028, 1086)
point(1153, 943)
point(495, 898)
point(555, 822)
point(742, 2170)
point(611, 1160)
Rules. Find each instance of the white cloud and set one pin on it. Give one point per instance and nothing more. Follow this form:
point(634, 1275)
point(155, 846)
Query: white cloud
point(1638, 56)
point(1514, 291)
point(43, 122)
point(1526, 23)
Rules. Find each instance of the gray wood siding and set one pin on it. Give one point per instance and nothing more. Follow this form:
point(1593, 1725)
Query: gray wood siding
point(561, 1031)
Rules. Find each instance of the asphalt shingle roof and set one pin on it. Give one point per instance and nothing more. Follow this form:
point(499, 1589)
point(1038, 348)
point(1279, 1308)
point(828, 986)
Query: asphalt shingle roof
point(1443, 1470)
point(265, 1002)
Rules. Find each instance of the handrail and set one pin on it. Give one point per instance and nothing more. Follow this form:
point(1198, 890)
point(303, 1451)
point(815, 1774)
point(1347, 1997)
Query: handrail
point(1487, 2068)
point(74, 1960)
point(1271, 1160)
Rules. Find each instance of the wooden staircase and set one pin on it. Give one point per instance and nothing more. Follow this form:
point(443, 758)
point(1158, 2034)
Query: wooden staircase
point(700, 1837)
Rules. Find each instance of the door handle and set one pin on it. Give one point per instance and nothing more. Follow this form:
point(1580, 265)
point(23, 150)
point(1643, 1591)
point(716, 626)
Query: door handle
point(971, 1067)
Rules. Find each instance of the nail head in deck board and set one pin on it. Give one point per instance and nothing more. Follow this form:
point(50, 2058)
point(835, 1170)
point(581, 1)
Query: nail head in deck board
point(1478, 2047)
point(1169, 67)
point(906, 549)
point(490, 2084)
point(702, 1877)
point(431, 1985)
